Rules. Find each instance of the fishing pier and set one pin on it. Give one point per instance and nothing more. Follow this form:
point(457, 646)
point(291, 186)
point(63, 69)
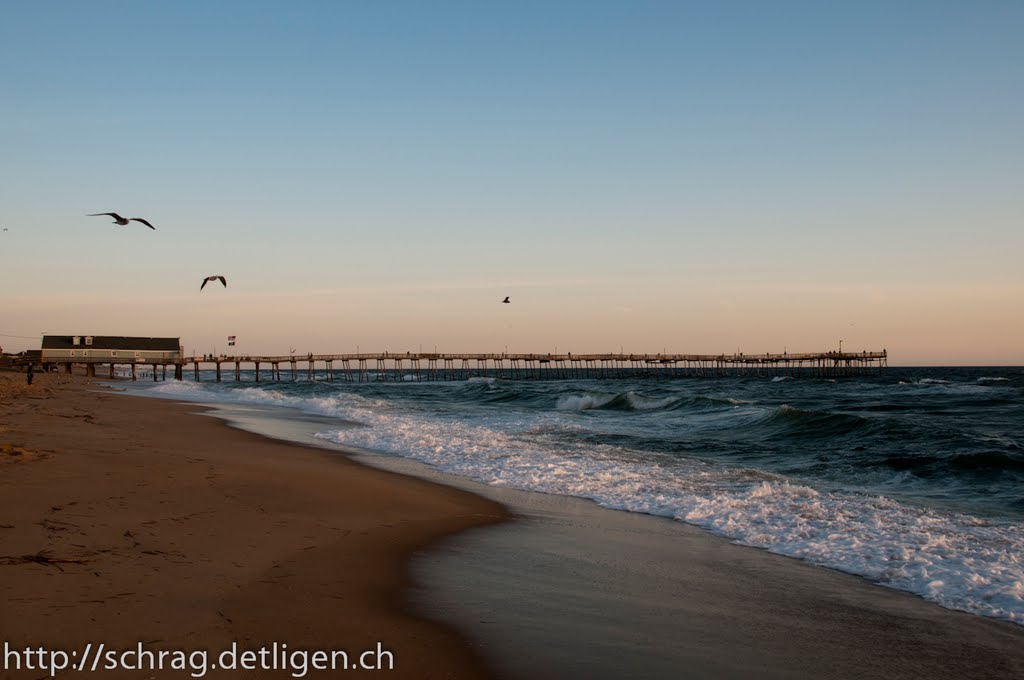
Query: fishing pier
point(421, 366)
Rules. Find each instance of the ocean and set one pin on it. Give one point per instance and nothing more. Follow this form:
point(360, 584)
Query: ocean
point(912, 478)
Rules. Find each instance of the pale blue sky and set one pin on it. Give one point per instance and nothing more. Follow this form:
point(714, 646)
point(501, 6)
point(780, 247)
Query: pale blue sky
point(693, 177)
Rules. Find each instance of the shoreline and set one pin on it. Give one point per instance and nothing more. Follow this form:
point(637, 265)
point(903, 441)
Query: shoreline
point(572, 590)
point(581, 591)
point(634, 595)
point(125, 521)
point(595, 593)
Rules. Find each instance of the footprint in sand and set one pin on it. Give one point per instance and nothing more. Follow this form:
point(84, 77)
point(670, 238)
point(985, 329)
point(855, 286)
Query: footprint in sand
point(10, 453)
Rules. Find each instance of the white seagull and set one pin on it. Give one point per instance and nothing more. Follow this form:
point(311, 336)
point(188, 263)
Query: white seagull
point(217, 277)
point(122, 221)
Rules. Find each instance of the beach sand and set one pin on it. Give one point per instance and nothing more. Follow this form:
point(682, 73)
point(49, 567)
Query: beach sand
point(194, 535)
point(126, 519)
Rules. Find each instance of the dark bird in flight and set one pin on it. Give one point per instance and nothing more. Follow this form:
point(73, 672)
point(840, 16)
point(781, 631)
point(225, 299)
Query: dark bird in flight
point(122, 221)
point(208, 279)
point(507, 301)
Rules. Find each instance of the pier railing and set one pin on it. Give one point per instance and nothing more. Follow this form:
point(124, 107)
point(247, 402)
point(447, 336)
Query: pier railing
point(433, 366)
point(427, 366)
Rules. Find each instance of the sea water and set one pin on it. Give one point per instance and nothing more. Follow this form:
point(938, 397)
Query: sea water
point(912, 478)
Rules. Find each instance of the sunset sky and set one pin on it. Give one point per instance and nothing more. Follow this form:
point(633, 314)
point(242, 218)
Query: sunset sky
point(651, 176)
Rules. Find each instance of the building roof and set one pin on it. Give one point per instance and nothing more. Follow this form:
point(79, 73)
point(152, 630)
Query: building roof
point(112, 342)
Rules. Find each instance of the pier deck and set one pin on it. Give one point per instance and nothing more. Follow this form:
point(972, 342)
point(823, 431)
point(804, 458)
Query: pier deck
point(432, 366)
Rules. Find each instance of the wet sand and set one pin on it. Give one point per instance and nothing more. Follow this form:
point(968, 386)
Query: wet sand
point(571, 590)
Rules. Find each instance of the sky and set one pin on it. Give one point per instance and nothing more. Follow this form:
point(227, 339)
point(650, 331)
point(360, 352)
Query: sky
point(637, 175)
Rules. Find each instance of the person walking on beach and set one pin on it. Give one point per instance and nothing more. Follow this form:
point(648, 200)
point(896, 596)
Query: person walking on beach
point(28, 375)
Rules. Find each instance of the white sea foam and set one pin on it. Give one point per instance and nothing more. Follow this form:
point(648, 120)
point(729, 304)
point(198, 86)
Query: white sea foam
point(335, 405)
point(952, 388)
point(957, 561)
point(583, 402)
point(642, 403)
point(592, 400)
point(179, 389)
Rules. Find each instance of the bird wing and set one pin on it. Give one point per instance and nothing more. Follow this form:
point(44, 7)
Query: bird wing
point(139, 219)
point(204, 283)
point(114, 215)
point(223, 280)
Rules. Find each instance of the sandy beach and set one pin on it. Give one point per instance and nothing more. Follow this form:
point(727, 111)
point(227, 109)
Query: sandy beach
point(126, 520)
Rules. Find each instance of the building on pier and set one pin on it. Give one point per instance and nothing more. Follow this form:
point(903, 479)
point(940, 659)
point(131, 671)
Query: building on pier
point(90, 350)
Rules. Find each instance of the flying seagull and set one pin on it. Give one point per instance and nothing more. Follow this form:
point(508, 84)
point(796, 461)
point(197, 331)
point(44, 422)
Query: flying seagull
point(507, 301)
point(122, 221)
point(214, 278)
